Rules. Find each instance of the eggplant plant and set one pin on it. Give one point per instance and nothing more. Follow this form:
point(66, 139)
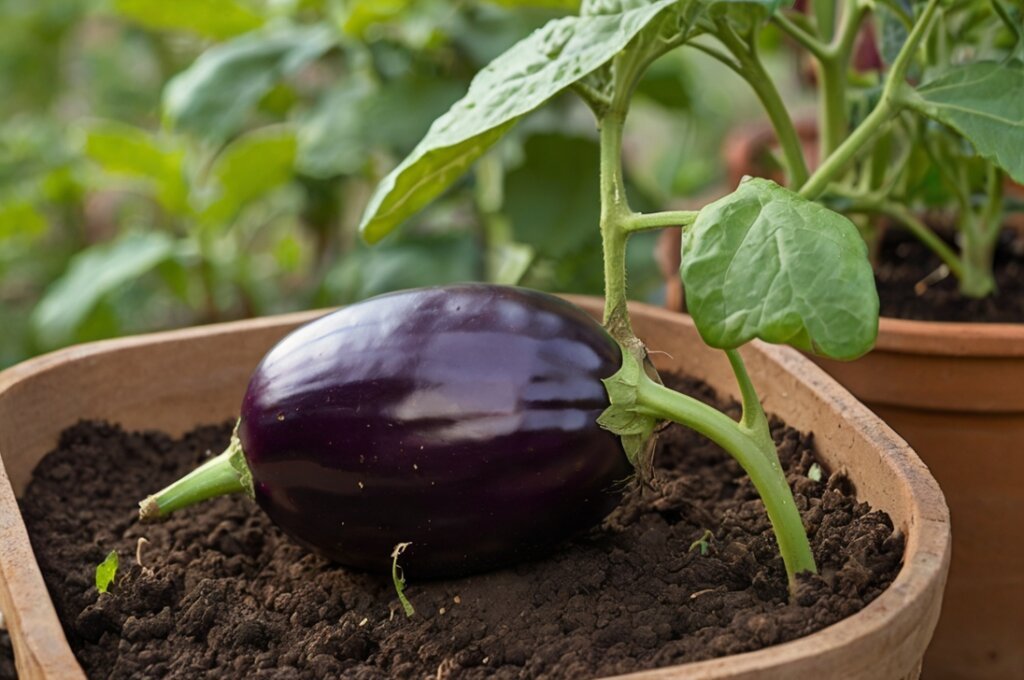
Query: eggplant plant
point(417, 417)
point(891, 151)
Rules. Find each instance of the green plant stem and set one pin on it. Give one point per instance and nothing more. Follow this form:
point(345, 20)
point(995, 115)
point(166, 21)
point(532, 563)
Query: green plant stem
point(749, 67)
point(669, 218)
point(980, 233)
point(224, 474)
point(802, 37)
point(824, 17)
point(920, 231)
point(888, 105)
point(757, 456)
point(834, 66)
point(614, 211)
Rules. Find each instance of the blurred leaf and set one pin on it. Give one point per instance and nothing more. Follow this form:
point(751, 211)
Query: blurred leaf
point(553, 199)
point(411, 262)
point(520, 80)
point(333, 137)
point(765, 263)
point(364, 13)
point(288, 253)
point(216, 19)
point(20, 220)
point(568, 5)
point(213, 96)
point(125, 150)
point(984, 102)
point(248, 168)
point(507, 263)
point(893, 33)
point(667, 83)
point(92, 274)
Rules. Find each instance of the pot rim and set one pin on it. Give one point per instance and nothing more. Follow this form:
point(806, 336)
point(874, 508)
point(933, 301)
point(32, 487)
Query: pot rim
point(965, 339)
point(43, 651)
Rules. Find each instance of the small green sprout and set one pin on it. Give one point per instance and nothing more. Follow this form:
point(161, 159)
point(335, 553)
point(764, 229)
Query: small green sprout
point(106, 571)
point(814, 474)
point(702, 542)
point(399, 579)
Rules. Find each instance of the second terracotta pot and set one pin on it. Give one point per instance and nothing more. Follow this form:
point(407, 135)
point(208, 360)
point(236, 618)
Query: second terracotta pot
point(955, 392)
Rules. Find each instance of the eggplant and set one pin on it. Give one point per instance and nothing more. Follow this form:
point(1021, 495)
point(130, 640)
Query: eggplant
point(460, 419)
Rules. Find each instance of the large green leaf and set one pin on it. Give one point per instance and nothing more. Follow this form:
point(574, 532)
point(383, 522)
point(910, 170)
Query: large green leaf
point(93, 273)
point(216, 19)
point(132, 152)
point(765, 263)
point(984, 102)
point(531, 72)
point(249, 167)
point(213, 96)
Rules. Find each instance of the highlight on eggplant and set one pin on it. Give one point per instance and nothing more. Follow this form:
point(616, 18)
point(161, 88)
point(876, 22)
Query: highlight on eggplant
point(461, 419)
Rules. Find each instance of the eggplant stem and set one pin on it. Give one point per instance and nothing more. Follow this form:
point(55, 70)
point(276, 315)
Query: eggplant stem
point(224, 474)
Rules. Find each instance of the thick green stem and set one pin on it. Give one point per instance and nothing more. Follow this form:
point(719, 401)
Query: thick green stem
point(825, 17)
point(748, 65)
point(888, 105)
point(980, 233)
point(759, 460)
point(614, 212)
point(832, 118)
point(225, 474)
point(921, 231)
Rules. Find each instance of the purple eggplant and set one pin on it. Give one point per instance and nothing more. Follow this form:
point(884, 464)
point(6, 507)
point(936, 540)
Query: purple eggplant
point(460, 419)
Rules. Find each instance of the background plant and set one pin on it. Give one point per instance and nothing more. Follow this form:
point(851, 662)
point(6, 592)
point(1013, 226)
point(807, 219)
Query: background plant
point(165, 165)
point(943, 147)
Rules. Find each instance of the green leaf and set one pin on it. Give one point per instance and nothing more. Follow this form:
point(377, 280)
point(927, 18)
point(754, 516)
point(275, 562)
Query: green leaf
point(765, 263)
point(332, 137)
point(106, 571)
point(362, 14)
point(411, 262)
point(21, 220)
point(92, 274)
point(984, 102)
point(133, 152)
point(398, 578)
point(215, 19)
point(248, 168)
point(622, 417)
point(213, 96)
point(531, 72)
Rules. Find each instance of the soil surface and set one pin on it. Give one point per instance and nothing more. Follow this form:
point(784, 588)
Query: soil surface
point(222, 593)
point(905, 262)
point(6, 658)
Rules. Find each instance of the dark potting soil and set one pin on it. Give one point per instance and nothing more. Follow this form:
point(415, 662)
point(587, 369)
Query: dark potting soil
point(903, 262)
point(7, 671)
point(222, 593)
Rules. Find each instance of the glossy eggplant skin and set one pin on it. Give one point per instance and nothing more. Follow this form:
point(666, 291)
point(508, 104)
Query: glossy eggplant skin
point(461, 419)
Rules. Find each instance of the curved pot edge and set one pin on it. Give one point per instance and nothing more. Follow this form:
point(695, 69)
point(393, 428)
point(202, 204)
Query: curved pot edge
point(979, 340)
point(44, 651)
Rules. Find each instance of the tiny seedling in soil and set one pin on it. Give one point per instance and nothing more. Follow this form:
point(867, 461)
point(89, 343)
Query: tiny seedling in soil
point(398, 578)
point(106, 571)
point(702, 543)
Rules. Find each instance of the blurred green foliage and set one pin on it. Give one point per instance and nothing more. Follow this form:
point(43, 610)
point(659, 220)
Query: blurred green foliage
point(171, 163)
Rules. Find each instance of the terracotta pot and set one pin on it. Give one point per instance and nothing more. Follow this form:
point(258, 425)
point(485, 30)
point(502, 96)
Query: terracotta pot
point(955, 391)
point(172, 381)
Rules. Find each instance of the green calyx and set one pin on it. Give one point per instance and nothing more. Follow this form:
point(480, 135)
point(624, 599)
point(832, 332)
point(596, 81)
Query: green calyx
point(224, 474)
point(623, 418)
